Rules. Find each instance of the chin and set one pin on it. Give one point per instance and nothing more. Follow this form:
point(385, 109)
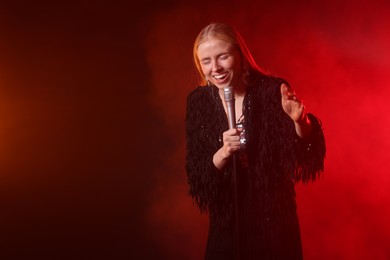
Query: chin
point(220, 86)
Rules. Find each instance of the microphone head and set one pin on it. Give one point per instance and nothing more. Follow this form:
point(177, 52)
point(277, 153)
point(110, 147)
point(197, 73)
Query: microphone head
point(228, 93)
point(229, 99)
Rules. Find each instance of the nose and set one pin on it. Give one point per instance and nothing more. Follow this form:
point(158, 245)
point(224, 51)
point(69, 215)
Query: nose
point(215, 66)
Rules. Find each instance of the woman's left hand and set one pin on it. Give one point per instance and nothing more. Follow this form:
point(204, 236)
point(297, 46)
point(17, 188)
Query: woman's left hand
point(292, 105)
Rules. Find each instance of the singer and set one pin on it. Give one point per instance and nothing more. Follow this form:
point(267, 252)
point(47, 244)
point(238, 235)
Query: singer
point(276, 143)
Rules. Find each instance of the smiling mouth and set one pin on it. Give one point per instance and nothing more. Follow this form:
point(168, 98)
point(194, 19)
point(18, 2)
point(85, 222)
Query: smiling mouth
point(220, 76)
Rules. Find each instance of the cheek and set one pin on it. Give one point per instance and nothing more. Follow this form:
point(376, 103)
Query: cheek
point(206, 70)
point(231, 64)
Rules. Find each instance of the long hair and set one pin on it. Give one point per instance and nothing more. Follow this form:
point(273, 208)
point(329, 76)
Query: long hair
point(226, 33)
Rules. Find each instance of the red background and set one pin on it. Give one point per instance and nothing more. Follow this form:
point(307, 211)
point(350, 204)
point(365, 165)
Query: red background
point(92, 104)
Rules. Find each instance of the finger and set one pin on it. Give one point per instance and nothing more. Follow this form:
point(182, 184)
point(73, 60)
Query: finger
point(292, 96)
point(233, 139)
point(229, 139)
point(284, 90)
point(288, 93)
point(232, 132)
point(232, 147)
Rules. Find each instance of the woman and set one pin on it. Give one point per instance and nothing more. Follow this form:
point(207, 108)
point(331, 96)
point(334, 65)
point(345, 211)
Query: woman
point(252, 216)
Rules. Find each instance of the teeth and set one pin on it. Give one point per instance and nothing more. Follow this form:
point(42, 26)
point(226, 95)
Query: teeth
point(220, 76)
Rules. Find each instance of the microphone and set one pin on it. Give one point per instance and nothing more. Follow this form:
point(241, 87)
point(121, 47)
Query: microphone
point(229, 99)
point(231, 114)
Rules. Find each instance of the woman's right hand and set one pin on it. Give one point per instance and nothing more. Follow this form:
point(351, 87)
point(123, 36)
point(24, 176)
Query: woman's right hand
point(231, 142)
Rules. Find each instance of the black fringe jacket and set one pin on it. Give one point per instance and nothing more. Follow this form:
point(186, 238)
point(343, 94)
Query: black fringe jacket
point(276, 158)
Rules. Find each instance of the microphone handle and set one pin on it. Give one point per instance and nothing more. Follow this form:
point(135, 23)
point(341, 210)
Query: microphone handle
point(231, 114)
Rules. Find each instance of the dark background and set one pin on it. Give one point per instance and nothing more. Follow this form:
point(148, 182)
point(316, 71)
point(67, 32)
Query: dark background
point(92, 105)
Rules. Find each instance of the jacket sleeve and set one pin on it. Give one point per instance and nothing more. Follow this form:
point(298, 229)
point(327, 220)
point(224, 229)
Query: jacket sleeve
point(310, 153)
point(303, 158)
point(202, 175)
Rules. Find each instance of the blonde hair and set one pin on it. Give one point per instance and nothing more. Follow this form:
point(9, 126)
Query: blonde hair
point(226, 33)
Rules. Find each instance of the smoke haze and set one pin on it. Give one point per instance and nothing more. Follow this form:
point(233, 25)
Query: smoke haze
point(92, 109)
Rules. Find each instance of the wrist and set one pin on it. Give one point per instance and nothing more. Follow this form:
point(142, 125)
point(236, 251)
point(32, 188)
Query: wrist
point(223, 154)
point(304, 120)
point(303, 127)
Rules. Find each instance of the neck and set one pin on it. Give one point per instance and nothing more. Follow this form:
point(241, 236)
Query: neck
point(239, 91)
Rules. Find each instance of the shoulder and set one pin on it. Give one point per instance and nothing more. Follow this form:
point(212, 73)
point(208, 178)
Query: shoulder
point(200, 93)
point(272, 81)
point(200, 104)
point(268, 84)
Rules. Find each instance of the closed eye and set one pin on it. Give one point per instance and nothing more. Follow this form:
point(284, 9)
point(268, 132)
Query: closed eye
point(205, 61)
point(224, 56)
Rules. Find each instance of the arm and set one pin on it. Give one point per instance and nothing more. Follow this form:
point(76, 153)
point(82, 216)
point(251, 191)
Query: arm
point(204, 178)
point(310, 143)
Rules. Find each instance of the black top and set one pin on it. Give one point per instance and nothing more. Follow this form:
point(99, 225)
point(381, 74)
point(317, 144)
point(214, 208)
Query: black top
point(275, 158)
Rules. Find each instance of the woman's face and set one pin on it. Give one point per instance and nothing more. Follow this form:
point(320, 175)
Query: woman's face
point(220, 62)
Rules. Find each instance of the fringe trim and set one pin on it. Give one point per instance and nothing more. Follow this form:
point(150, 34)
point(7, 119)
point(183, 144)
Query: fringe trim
point(277, 157)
